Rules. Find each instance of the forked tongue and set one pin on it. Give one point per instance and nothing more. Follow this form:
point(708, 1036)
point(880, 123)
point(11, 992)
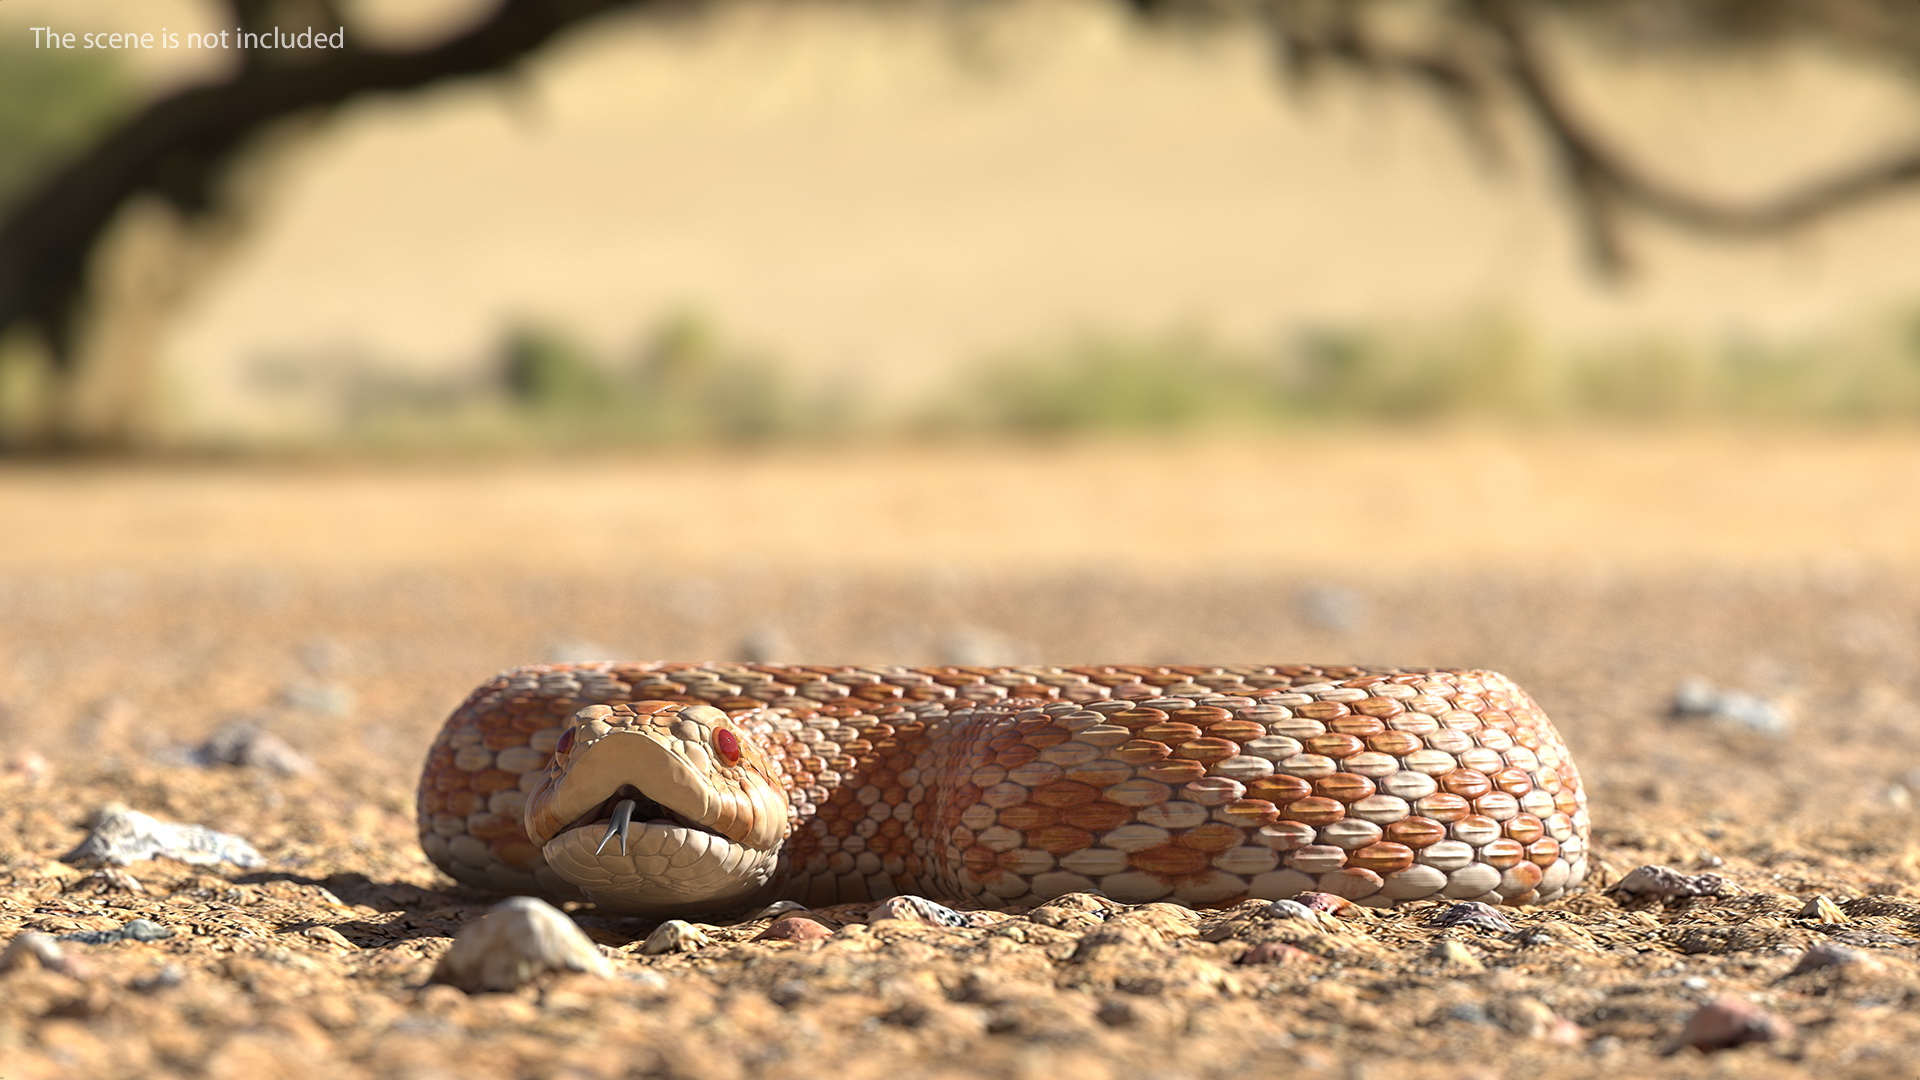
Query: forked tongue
point(622, 817)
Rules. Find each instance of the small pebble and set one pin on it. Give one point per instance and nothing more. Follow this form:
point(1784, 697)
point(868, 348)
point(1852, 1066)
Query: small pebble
point(1528, 1017)
point(918, 909)
point(1468, 1012)
point(1823, 910)
point(35, 949)
point(1830, 954)
point(795, 929)
point(1319, 901)
point(1699, 699)
point(248, 746)
point(134, 930)
point(1474, 914)
point(1450, 953)
point(29, 767)
point(324, 698)
point(517, 941)
point(674, 935)
point(326, 935)
point(1664, 884)
point(1331, 607)
point(646, 980)
point(1531, 1018)
point(1605, 1044)
point(121, 836)
point(1291, 909)
point(1728, 1022)
point(165, 979)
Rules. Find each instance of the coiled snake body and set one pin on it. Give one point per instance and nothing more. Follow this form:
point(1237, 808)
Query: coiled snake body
point(675, 788)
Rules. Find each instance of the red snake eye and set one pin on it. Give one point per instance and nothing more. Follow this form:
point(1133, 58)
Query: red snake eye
point(566, 741)
point(728, 744)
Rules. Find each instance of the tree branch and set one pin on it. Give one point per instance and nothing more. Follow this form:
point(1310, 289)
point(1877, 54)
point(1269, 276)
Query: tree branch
point(181, 146)
point(1304, 42)
point(1604, 182)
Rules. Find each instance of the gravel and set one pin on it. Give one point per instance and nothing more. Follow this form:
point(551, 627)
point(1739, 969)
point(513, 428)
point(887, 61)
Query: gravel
point(318, 959)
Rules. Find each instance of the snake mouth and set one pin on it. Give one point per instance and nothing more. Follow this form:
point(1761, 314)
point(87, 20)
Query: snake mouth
point(616, 815)
point(629, 820)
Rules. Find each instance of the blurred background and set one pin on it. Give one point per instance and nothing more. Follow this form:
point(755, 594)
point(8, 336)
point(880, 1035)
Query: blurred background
point(1576, 338)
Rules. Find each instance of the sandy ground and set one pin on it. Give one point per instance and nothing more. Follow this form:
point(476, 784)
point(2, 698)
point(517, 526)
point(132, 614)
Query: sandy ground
point(1354, 503)
point(347, 609)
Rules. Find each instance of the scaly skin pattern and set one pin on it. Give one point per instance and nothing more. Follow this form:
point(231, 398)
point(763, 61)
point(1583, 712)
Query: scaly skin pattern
point(1005, 786)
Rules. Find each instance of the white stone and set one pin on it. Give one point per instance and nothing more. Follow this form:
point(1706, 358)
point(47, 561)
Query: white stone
point(514, 943)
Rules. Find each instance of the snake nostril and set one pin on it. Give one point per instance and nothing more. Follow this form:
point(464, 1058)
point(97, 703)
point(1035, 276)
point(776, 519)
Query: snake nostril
point(728, 744)
point(566, 742)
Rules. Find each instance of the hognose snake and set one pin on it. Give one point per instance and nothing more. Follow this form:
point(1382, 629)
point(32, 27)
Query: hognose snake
point(677, 788)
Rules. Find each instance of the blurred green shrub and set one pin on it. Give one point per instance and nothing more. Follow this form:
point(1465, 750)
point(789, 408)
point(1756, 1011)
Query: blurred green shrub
point(26, 390)
point(1477, 369)
point(52, 102)
point(687, 384)
point(543, 370)
point(692, 384)
point(1103, 383)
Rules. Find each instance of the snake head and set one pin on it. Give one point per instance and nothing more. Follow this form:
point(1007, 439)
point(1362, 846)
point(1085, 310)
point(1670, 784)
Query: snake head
point(659, 808)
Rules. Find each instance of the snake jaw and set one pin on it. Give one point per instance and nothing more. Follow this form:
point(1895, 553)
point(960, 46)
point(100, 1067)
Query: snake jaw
point(703, 831)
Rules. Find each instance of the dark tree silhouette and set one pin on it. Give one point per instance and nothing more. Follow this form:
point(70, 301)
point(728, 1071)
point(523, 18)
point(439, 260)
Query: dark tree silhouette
point(1475, 56)
point(183, 147)
point(1482, 53)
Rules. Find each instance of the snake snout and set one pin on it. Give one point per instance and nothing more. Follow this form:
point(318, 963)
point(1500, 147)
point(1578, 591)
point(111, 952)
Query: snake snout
point(643, 817)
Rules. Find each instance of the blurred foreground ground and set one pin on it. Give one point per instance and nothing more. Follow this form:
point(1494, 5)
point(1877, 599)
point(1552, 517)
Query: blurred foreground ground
point(347, 609)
